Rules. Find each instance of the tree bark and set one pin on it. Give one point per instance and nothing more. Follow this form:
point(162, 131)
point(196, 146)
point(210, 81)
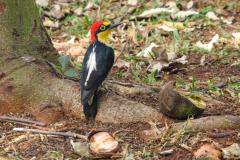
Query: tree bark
point(21, 30)
point(32, 87)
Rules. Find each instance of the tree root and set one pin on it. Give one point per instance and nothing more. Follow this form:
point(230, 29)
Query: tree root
point(203, 124)
point(26, 89)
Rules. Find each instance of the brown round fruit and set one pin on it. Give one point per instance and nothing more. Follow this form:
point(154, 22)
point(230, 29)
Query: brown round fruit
point(102, 143)
point(177, 105)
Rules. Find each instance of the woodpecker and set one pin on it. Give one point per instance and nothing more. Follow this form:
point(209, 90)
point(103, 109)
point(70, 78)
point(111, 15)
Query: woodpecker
point(97, 63)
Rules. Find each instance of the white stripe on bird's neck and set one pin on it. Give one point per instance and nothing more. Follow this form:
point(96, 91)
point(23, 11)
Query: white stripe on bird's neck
point(91, 64)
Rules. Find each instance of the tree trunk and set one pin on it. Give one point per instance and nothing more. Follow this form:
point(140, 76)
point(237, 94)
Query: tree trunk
point(27, 84)
point(21, 29)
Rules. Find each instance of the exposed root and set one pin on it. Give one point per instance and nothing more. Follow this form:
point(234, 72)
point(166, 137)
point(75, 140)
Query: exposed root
point(197, 125)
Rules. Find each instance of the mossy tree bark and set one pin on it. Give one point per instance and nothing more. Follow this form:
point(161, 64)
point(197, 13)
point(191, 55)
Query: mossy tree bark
point(27, 84)
point(21, 29)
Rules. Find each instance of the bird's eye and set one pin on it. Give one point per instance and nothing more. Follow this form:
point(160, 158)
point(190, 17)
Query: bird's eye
point(102, 27)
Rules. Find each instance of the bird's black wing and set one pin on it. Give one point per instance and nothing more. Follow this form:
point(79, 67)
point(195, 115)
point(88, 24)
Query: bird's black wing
point(104, 63)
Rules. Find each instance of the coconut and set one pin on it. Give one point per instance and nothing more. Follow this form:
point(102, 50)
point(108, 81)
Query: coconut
point(102, 143)
point(177, 105)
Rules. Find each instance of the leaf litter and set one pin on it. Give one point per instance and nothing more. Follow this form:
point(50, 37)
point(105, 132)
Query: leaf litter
point(194, 22)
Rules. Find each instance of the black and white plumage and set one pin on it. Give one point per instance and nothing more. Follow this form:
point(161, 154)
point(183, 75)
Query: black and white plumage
point(97, 63)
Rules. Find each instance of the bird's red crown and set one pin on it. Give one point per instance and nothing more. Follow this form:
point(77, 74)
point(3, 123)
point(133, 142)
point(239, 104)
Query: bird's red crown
point(95, 26)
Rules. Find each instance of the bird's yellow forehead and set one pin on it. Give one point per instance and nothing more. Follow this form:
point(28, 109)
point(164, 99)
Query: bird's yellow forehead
point(106, 23)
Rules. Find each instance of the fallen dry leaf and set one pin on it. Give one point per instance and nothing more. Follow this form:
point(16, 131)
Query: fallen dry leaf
point(132, 2)
point(76, 51)
point(42, 3)
point(172, 8)
point(80, 148)
point(208, 151)
point(231, 152)
point(122, 64)
point(208, 46)
point(212, 16)
point(147, 52)
point(48, 23)
point(236, 36)
point(170, 26)
point(182, 15)
point(227, 20)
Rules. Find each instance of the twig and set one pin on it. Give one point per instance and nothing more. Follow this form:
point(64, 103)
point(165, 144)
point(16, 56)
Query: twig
point(121, 51)
point(222, 134)
point(15, 119)
point(119, 131)
point(122, 83)
point(64, 134)
point(224, 84)
point(30, 125)
point(166, 152)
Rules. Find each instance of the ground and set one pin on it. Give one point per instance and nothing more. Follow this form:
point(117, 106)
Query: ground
point(214, 73)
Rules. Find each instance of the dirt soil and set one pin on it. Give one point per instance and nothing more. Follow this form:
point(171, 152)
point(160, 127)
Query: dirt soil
point(40, 146)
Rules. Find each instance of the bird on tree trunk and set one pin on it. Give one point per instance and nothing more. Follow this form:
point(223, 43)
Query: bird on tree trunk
point(97, 63)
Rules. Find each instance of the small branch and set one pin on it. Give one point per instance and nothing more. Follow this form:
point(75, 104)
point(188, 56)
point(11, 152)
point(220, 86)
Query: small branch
point(15, 119)
point(31, 125)
point(121, 51)
point(166, 152)
point(64, 134)
point(122, 83)
point(224, 84)
point(124, 89)
point(222, 134)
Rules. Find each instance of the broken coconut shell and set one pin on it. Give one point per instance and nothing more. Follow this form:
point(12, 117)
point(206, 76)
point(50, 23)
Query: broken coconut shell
point(176, 105)
point(102, 143)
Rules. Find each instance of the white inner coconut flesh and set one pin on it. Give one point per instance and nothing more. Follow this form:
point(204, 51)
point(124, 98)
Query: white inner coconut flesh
point(103, 142)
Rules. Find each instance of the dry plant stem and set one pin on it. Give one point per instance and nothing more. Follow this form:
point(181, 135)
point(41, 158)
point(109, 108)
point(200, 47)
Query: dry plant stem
point(121, 51)
point(30, 125)
point(122, 83)
point(64, 134)
point(15, 119)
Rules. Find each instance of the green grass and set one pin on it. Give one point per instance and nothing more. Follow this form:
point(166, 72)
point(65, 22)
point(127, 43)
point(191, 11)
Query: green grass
point(78, 26)
point(151, 78)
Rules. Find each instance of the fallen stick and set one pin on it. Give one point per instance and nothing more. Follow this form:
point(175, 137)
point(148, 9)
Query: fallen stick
point(222, 134)
point(64, 134)
point(121, 52)
point(23, 120)
point(223, 122)
point(30, 125)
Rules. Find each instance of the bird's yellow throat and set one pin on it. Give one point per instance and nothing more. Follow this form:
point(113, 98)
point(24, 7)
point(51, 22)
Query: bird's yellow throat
point(103, 36)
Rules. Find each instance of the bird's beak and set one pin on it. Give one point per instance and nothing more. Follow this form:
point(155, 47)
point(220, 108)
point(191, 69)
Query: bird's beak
point(114, 25)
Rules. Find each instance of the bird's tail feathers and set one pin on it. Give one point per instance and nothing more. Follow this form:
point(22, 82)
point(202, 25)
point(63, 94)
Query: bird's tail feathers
point(90, 107)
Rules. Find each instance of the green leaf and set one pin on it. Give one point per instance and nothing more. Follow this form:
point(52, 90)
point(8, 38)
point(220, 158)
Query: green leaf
point(129, 157)
point(57, 69)
point(64, 60)
point(151, 78)
point(72, 72)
